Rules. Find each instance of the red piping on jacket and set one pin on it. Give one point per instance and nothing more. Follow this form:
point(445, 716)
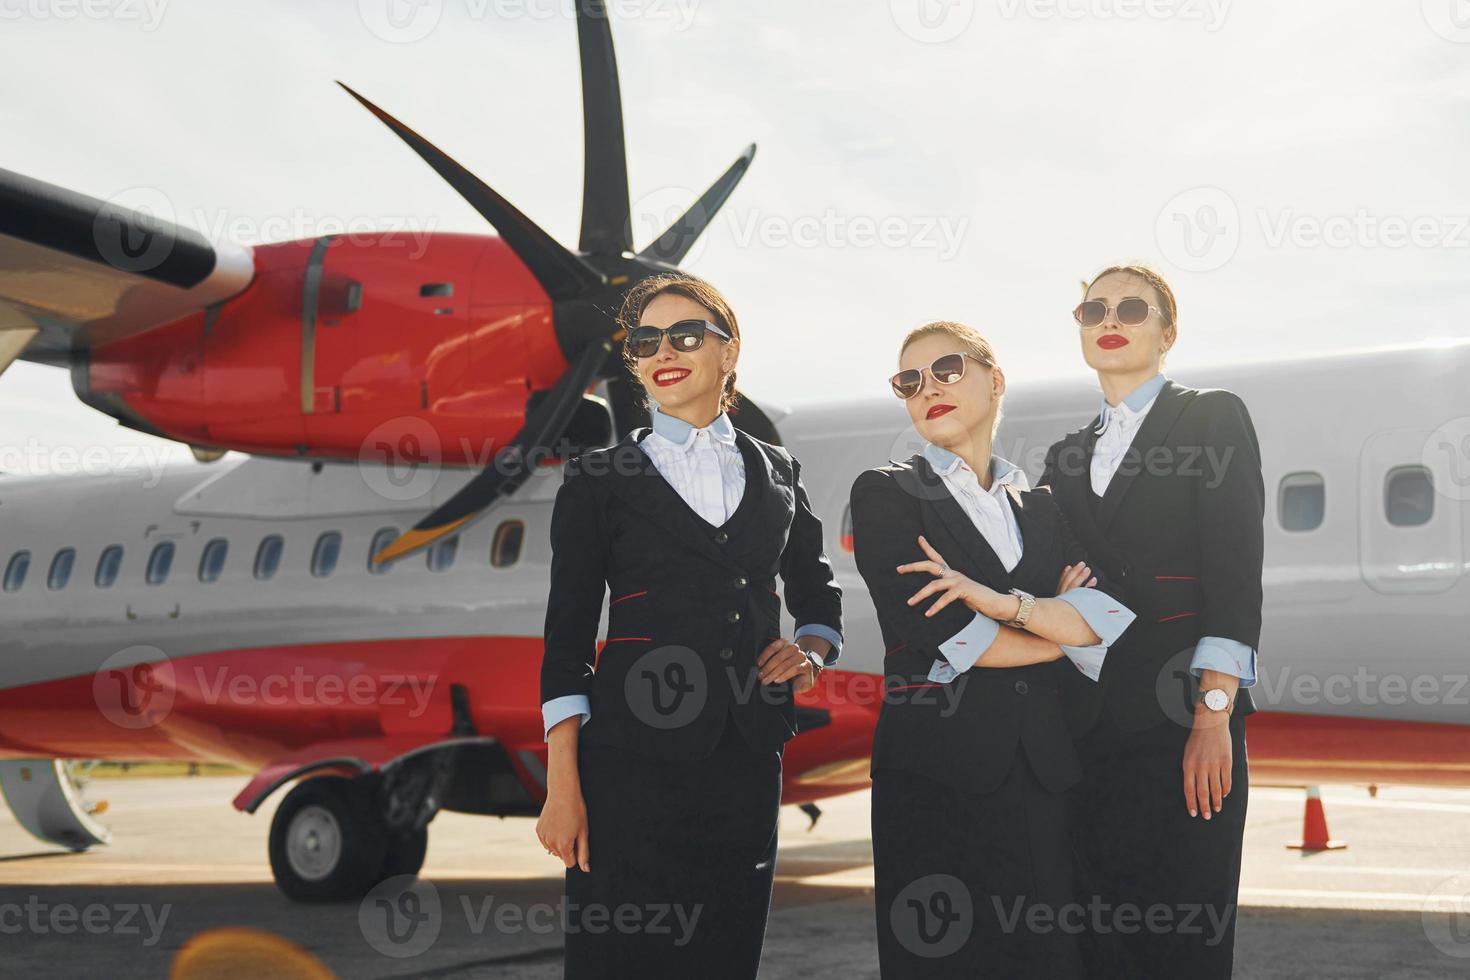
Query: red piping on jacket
point(630, 595)
point(1170, 619)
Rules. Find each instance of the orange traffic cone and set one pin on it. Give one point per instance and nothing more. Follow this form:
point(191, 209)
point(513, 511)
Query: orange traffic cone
point(1314, 827)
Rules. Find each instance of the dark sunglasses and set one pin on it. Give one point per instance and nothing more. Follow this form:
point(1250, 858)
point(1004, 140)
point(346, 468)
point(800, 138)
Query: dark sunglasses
point(686, 335)
point(946, 370)
point(1131, 311)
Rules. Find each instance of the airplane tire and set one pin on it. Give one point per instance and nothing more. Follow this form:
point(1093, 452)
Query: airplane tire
point(327, 842)
point(406, 850)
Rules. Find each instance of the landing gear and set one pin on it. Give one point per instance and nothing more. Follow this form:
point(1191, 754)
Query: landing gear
point(327, 841)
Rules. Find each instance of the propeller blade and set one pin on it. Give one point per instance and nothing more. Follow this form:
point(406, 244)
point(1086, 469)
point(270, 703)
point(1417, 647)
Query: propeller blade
point(675, 242)
point(513, 464)
point(605, 221)
point(561, 273)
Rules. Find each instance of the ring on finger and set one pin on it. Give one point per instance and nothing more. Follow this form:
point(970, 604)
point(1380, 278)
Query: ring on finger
point(943, 569)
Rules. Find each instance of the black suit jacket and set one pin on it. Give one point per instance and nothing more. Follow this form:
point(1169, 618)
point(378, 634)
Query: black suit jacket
point(1180, 529)
point(691, 605)
point(966, 733)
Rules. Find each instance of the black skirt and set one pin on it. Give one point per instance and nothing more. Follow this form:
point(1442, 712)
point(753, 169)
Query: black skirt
point(973, 885)
point(683, 855)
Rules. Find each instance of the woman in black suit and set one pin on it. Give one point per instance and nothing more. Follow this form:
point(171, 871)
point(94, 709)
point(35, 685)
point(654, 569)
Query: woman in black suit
point(1164, 489)
point(664, 767)
point(972, 756)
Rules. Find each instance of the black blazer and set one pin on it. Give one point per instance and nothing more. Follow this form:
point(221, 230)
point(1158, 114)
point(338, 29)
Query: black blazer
point(966, 733)
point(691, 604)
point(1180, 530)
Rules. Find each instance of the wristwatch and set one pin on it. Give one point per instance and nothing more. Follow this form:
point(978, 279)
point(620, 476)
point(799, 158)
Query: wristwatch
point(815, 659)
point(1028, 603)
point(1217, 700)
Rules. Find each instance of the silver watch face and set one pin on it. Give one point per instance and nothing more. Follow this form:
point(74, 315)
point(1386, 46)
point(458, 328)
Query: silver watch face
point(1216, 700)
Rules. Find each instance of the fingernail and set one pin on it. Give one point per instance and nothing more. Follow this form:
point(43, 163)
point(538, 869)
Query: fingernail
point(1193, 813)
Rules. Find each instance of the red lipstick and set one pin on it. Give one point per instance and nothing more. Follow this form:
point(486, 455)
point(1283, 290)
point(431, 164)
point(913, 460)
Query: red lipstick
point(1112, 341)
point(937, 410)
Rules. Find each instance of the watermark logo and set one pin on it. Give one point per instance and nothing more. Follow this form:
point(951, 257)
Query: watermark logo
point(135, 687)
point(134, 229)
point(1446, 454)
point(1446, 916)
point(667, 687)
point(1450, 19)
point(399, 460)
point(401, 917)
point(934, 916)
point(401, 21)
point(1198, 230)
point(932, 21)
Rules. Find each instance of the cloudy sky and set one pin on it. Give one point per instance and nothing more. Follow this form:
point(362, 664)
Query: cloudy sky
point(1297, 170)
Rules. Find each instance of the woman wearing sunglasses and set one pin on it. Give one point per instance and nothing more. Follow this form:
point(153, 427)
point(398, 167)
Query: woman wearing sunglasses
point(1164, 490)
point(972, 757)
point(664, 767)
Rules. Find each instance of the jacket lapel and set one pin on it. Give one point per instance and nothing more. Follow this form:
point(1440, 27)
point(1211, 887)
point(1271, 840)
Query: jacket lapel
point(929, 487)
point(1154, 430)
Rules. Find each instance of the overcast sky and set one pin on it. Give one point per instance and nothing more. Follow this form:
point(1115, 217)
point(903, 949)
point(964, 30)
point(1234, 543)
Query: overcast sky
point(1297, 170)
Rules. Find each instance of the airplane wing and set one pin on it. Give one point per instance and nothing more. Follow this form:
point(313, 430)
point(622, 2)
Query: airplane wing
point(76, 271)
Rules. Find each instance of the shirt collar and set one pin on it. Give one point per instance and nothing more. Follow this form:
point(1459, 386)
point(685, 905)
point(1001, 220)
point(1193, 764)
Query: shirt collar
point(1135, 402)
point(682, 434)
point(1002, 471)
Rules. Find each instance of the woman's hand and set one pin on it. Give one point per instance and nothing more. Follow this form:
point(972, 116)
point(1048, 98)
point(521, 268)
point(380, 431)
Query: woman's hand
point(1207, 759)
point(1077, 576)
point(783, 660)
point(979, 598)
point(562, 828)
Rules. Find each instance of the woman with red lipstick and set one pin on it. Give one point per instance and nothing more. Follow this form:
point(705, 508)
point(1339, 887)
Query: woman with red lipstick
point(972, 757)
point(663, 775)
point(1164, 490)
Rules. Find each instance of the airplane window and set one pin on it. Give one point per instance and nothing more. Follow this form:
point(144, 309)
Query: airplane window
point(212, 561)
point(1408, 496)
point(505, 550)
point(60, 572)
point(268, 556)
point(324, 555)
point(441, 553)
point(1301, 501)
point(107, 565)
point(160, 561)
point(15, 572)
point(380, 540)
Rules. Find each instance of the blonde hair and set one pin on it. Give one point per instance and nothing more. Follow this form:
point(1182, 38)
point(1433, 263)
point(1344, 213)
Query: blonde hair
point(1167, 304)
point(971, 342)
point(691, 288)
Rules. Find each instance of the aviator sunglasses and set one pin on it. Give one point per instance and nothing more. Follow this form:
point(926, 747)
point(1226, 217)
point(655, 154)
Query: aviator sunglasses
point(1131, 311)
point(686, 335)
point(946, 370)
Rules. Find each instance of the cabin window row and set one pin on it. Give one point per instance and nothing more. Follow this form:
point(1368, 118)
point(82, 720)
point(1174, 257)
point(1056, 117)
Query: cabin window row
point(505, 551)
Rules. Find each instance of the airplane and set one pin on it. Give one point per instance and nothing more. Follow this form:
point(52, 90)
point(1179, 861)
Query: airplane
point(353, 607)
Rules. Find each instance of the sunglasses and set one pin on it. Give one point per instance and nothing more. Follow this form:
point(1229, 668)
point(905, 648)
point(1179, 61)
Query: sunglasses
point(1131, 311)
point(946, 370)
point(686, 335)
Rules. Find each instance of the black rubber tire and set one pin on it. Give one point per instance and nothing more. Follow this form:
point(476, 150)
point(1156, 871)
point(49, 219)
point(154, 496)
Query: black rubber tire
point(406, 850)
point(364, 840)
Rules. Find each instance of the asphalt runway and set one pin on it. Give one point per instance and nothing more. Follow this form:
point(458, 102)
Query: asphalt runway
point(183, 861)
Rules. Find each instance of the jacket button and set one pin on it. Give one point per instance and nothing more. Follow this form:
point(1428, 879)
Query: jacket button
point(1022, 687)
point(721, 537)
point(741, 581)
point(734, 616)
point(726, 653)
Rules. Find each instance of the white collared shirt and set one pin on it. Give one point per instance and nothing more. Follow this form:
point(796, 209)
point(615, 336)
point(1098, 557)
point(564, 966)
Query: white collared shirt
point(704, 466)
point(989, 510)
point(1118, 426)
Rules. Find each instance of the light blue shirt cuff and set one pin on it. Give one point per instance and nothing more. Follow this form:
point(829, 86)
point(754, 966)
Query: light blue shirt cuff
point(1227, 656)
point(963, 650)
point(558, 710)
point(1089, 660)
point(1107, 616)
point(825, 632)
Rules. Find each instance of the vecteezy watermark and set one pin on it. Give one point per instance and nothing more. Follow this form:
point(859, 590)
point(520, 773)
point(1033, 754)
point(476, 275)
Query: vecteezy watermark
point(1446, 916)
point(1361, 688)
point(1198, 230)
point(1450, 19)
point(148, 14)
point(37, 917)
point(932, 21)
point(400, 459)
point(404, 916)
point(1210, 13)
point(666, 687)
point(1446, 454)
point(408, 21)
point(135, 687)
point(933, 916)
point(36, 458)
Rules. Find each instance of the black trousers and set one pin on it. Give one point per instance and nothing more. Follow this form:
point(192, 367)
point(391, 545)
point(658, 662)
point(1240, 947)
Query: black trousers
point(973, 885)
point(683, 855)
point(1162, 886)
